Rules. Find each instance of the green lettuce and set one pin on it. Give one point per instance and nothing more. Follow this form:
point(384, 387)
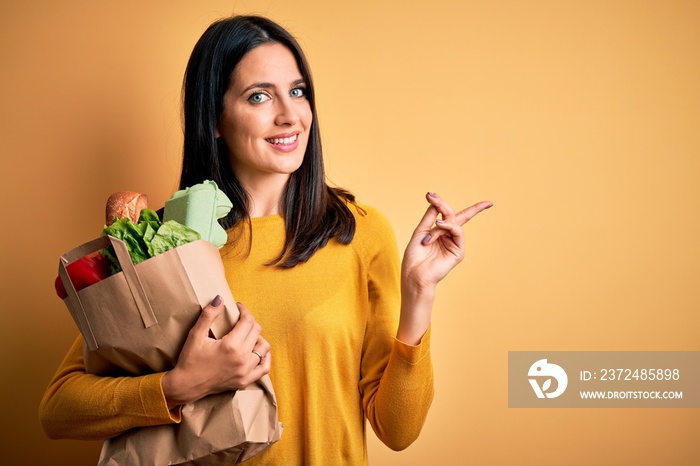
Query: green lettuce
point(171, 234)
point(147, 238)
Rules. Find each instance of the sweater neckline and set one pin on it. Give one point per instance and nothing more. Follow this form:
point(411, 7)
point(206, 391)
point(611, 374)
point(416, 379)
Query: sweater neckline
point(267, 220)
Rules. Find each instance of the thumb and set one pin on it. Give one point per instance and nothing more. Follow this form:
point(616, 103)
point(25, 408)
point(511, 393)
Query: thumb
point(467, 214)
point(207, 317)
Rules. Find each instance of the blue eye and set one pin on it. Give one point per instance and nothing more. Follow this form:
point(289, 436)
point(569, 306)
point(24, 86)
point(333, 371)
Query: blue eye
point(258, 98)
point(298, 92)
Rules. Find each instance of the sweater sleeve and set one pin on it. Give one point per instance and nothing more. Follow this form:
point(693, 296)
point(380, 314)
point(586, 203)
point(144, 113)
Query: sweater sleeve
point(397, 379)
point(83, 406)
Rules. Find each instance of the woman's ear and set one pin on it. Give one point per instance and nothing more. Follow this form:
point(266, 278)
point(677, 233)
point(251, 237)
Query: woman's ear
point(217, 135)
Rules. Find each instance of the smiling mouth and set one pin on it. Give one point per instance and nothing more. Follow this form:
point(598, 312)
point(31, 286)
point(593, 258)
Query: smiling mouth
point(283, 141)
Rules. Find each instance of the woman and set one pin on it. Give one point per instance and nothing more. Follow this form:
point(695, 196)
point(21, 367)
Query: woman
point(349, 327)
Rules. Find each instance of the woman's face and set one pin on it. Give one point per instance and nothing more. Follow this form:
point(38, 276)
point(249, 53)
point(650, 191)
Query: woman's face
point(266, 118)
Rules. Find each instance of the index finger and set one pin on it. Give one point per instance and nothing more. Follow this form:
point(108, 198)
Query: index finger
point(426, 223)
point(463, 216)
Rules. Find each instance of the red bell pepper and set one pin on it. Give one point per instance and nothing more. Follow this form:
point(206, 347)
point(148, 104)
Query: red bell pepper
point(84, 272)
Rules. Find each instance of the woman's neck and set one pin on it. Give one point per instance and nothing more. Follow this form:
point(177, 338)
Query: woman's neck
point(265, 195)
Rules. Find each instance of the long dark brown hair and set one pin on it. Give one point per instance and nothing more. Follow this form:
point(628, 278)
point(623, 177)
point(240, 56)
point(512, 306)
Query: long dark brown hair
point(313, 211)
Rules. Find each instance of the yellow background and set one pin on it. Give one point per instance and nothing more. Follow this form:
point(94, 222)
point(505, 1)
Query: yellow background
point(580, 120)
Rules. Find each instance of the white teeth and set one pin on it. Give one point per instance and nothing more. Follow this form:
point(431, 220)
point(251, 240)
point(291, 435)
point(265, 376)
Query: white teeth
point(282, 141)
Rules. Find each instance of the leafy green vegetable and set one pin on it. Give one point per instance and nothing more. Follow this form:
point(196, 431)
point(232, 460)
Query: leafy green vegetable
point(147, 238)
point(171, 234)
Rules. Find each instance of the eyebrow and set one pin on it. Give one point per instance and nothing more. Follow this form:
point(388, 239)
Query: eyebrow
point(298, 82)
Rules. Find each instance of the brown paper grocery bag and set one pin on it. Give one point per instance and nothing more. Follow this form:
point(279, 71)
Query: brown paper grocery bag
point(246, 419)
point(136, 321)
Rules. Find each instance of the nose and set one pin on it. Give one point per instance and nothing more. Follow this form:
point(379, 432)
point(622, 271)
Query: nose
point(287, 114)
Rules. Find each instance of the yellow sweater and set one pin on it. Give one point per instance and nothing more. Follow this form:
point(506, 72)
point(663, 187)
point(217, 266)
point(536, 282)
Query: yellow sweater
point(330, 323)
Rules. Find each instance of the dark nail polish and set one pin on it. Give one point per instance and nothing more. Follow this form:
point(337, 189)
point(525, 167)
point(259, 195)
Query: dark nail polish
point(432, 194)
point(217, 301)
point(426, 239)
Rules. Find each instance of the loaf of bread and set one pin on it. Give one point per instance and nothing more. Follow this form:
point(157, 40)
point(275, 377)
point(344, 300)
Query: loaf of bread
point(125, 204)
